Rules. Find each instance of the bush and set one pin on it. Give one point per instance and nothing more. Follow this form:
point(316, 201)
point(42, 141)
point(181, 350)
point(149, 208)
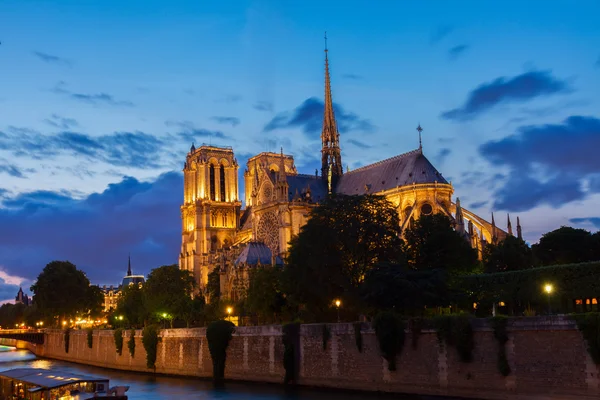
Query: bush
point(389, 329)
point(90, 338)
point(456, 331)
point(218, 335)
point(358, 335)
point(326, 335)
point(67, 339)
point(498, 324)
point(150, 340)
point(291, 342)
point(416, 326)
point(589, 325)
point(131, 343)
point(118, 335)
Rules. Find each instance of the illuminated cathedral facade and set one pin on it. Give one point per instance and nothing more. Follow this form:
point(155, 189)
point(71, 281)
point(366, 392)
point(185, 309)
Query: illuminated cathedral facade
point(217, 233)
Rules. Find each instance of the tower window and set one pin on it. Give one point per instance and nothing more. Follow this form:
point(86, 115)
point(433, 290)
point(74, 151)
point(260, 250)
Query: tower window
point(222, 183)
point(212, 182)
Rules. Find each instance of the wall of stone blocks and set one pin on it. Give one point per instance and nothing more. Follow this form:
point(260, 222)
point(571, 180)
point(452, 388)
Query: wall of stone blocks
point(547, 356)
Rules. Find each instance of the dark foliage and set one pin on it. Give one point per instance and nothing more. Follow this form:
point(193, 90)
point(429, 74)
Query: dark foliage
point(326, 333)
point(566, 245)
point(456, 331)
point(218, 335)
point(67, 339)
point(511, 254)
point(150, 340)
point(389, 329)
point(118, 336)
point(291, 353)
point(498, 324)
point(589, 325)
point(131, 343)
point(90, 338)
point(358, 336)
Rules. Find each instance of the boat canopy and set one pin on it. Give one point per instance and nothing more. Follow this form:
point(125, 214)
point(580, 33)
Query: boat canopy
point(47, 379)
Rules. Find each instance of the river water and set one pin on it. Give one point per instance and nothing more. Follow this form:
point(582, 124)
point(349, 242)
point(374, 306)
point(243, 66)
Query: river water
point(150, 387)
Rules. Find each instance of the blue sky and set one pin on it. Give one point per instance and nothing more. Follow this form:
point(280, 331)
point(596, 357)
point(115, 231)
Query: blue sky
point(100, 100)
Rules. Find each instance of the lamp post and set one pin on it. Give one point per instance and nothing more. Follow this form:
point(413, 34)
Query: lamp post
point(548, 289)
point(338, 303)
point(229, 311)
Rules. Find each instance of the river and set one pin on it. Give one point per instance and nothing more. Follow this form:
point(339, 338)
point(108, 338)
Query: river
point(152, 387)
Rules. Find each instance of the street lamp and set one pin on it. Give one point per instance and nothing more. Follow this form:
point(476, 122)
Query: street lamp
point(229, 311)
point(338, 303)
point(548, 289)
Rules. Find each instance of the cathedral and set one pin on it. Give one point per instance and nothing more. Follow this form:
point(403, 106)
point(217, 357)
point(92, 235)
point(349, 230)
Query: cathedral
point(217, 233)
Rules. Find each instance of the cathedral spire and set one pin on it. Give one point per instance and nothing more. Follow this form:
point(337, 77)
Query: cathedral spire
point(129, 266)
point(519, 234)
point(419, 129)
point(460, 222)
point(509, 226)
point(493, 230)
point(331, 158)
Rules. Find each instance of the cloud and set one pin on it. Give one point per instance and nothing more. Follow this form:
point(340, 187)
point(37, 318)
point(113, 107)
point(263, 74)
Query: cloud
point(190, 133)
point(548, 163)
point(442, 155)
point(95, 232)
point(12, 170)
point(8, 291)
point(263, 106)
point(440, 33)
point(309, 117)
point(478, 204)
point(230, 98)
point(359, 144)
point(520, 88)
point(60, 122)
point(593, 220)
point(95, 98)
point(353, 77)
point(457, 51)
point(51, 59)
point(233, 121)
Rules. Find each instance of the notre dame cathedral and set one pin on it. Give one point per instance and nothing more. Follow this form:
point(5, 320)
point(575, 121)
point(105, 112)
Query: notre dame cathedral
point(218, 233)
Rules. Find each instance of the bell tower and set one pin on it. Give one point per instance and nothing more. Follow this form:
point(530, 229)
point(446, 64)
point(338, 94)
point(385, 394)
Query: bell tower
point(211, 208)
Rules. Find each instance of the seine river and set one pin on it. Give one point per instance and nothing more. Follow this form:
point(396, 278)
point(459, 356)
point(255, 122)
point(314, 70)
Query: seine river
point(147, 387)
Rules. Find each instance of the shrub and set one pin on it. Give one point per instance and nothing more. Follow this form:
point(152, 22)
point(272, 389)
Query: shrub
point(326, 335)
point(456, 331)
point(118, 335)
point(131, 343)
point(67, 339)
point(389, 329)
point(416, 326)
point(150, 340)
point(498, 324)
point(358, 335)
point(90, 338)
point(291, 341)
point(589, 325)
point(218, 335)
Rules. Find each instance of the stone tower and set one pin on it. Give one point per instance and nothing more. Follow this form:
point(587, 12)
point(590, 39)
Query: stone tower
point(211, 208)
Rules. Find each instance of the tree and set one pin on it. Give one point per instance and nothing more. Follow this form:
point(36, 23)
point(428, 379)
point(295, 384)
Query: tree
point(213, 286)
point(565, 245)
point(265, 295)
point(432, 243)
point(63, 291)
point(132, 305)
point(167, 291)
point(344, 238)
point(511, 254)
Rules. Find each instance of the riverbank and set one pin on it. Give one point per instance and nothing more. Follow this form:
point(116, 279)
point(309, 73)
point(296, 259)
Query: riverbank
point(547, 358)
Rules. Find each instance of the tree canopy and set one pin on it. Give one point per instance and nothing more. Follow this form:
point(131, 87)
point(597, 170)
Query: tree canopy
point(511, 254)
point(567, 245)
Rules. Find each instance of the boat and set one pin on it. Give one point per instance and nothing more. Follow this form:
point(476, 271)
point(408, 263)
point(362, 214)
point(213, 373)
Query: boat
point(48, 384)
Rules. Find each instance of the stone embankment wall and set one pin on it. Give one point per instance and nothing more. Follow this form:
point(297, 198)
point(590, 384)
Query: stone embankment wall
point(547, 356)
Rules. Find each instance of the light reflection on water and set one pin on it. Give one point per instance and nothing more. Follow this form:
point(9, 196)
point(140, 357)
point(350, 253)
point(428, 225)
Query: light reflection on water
point(149, 387)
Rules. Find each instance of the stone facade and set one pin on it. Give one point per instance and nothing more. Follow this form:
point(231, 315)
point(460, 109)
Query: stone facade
point(547, 356)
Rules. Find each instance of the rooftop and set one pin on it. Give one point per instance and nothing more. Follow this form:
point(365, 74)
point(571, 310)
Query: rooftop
point(48, 379)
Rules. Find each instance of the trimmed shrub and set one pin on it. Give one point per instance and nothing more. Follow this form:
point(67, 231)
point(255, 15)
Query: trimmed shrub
point(589, 326)
point(150, 340)
point(67, 339)
point(131, 343)
point(456, 331)
point(118, 336)
point(326, 332)
point(498, 324)
point(358, 336)
point(291, 342)
point(389, 329)
point(218, 335)
point(90, 338)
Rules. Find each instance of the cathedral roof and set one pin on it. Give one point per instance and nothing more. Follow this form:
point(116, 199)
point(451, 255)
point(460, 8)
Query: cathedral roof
point(256, 253)
point(401, 170)
point(299, 183)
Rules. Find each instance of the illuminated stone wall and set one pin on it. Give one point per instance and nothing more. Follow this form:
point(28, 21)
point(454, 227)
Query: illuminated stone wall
point(548, 358)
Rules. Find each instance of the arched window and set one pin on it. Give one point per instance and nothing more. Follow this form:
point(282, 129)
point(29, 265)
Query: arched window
point(212, 182)
point(222, 176)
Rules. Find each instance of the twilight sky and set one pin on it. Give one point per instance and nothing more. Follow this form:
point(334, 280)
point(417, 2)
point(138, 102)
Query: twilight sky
point(100, 101)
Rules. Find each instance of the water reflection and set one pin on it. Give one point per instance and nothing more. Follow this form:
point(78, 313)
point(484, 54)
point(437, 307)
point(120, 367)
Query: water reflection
point(149, 387)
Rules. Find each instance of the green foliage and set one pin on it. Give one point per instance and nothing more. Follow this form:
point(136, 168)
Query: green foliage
point(358, 336)
point(433, 244)
point(150, 340)
point(118, 336)
point(416, 326)
point(566, 245)
point(67, 339)
point(132, 305)
point(90, 338)
point(218, 335)
point(389, 329)
point(265, 295)
point(131, 343)
point(589, 325)
point(12, 314)
point(194, 310)
point(498, 324)
point(168, 290)
point(326, 333)
point(456, 331)
point(291, 353)
point(344, 238)
point(61, 289)
point(213, 287)
point(511, 254)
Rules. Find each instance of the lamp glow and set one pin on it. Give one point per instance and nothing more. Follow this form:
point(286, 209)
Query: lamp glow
point(548, 288)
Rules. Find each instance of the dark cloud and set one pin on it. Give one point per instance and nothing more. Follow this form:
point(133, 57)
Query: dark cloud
point(353, 77)
point(440, 33)
point(478, 204)
point(3, 193)
point(11, 170)
point(59, 122)
point(94, 98)
point(9, 291)
point(442, 155)
point(263, 106)
point(190, 133)
point(519, 88)
point(309, 117)
point(233, 121)
point(95, 232)
point(457, 51)
point(51, 59)
point(359, 144)
point(565, 154)
point(593, 220)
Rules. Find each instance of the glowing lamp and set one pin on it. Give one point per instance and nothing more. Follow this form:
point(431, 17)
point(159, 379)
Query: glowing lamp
point(548, 288)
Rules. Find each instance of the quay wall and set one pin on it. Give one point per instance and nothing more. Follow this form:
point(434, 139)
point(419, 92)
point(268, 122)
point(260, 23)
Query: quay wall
point(547, 356)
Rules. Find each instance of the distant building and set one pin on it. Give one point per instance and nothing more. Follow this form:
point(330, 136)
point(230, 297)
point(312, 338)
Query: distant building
point(112, 293)
point(22, 298)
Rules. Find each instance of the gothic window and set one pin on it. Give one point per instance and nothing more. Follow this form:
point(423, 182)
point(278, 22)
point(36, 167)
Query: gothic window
point(222, 183)
point(426, 209)
point(224, 219)
point(212, 182)
point(213, 219)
